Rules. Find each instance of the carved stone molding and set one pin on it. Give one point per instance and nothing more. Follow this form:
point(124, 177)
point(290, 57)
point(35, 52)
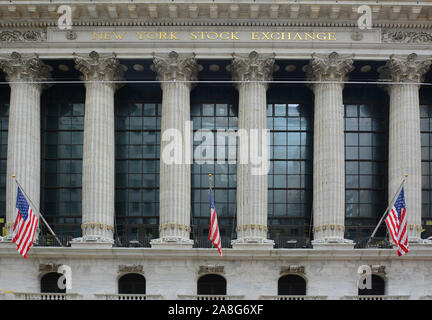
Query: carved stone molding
point(292, 269)
point(48, 267)
point(26, 67)
point(175, 67)
point(99, 67)
point(130, 269)
point(378, 269)
point(399, 36)
point(23, 36)
point(411, 68)
point(253, 67)
point(332, 67)
point(211, 269)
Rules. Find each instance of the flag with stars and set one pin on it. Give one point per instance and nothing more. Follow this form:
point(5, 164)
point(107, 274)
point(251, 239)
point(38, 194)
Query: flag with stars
point(396, 222)
point(214, 235)
point(25, 225)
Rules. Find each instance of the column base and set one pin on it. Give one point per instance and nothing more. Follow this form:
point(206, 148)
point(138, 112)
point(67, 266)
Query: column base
point(172, 243)
point(333, 244)
point(91, 242)
point(252, 244)
point(419, 243)
point(6, 242)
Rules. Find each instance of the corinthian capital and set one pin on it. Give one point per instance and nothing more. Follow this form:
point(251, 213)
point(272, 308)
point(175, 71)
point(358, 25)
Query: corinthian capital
point(99, 67)
point(28, 68)
point(175, 67)
point(252, 67)
point(409, 68)
point(332, 67)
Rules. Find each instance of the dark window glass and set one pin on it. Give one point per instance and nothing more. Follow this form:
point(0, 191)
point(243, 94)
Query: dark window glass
point(49, 283)
point(291, 285)
point(137, 139)
point(365, 163)
point(378, 287)
point(132, 283)
point(290, 174)
point(211, 284)
point(62, 145)
point(426, 156)
point(214, 109)
point(4, 117)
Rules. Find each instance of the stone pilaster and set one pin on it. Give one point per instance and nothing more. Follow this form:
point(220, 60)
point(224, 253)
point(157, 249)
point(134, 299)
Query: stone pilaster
point(253, 72)
point(329, 71)
point(176, 73)
point(24, 73)
point(406, 72)
point(99, 72)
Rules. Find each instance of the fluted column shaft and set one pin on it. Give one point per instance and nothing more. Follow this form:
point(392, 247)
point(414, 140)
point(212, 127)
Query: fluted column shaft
point(404, 135)
point(176, 73)
point(252, 71)
point(329, 72)
point(24, 141)
point(23, 154)
point(328, 162)
point(98, 147)
point(175, 178)
point(98, 162)
point(251, 188)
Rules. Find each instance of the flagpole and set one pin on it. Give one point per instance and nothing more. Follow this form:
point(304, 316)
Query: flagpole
point(387, 210)
point(39, 213)
point(210, 184)
point(210, 180)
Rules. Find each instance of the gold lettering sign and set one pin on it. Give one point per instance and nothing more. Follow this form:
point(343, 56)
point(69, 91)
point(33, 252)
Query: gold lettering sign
point(212, 36)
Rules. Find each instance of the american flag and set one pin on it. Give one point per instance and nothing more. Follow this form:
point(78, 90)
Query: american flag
point(214, 235)
point(25, 225)
point(396, 222)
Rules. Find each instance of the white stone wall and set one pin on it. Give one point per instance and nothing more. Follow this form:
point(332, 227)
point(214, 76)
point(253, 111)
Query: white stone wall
point(170, 273)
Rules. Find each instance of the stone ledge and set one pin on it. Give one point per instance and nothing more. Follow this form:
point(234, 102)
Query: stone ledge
point(323, 253)
point(171, 243)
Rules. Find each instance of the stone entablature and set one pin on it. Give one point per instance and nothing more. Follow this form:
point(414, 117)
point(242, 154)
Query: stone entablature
point(402, 13)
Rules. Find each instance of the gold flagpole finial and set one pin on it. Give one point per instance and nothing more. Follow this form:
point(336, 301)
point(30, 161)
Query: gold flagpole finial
point(13, 176)
point(406, 175)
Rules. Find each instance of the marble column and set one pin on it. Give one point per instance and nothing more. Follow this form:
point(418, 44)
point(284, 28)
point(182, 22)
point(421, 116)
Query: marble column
point(24, 132)
point(176, 73)
point(329, 71)
point(98, 71)
point(406, 72)
point(253, 71)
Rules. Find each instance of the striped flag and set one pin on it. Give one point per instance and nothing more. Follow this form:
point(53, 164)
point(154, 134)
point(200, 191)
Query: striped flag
point(25, 225)
point(214, 235)
point(396, 222)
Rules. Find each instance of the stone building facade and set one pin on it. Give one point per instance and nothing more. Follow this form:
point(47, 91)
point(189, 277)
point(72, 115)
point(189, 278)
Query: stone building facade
point(86, 114)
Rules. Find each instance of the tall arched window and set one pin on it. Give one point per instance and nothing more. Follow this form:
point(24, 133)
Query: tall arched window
point(426, 156)
point(290, 125)
point(365, 117)
point(214, 108)
point(62, 152)
point(378, 287)
point(4, 117)
point(132, 283)
point(49, 283)
point(137, 138)
point(291, 284)
point(212, 284)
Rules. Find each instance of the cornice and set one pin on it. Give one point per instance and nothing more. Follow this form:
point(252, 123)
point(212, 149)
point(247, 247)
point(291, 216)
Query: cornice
point(43, 13)
point(422, 253)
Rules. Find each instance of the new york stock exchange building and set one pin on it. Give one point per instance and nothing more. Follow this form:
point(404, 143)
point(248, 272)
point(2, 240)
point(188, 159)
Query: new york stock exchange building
point(87, 114)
